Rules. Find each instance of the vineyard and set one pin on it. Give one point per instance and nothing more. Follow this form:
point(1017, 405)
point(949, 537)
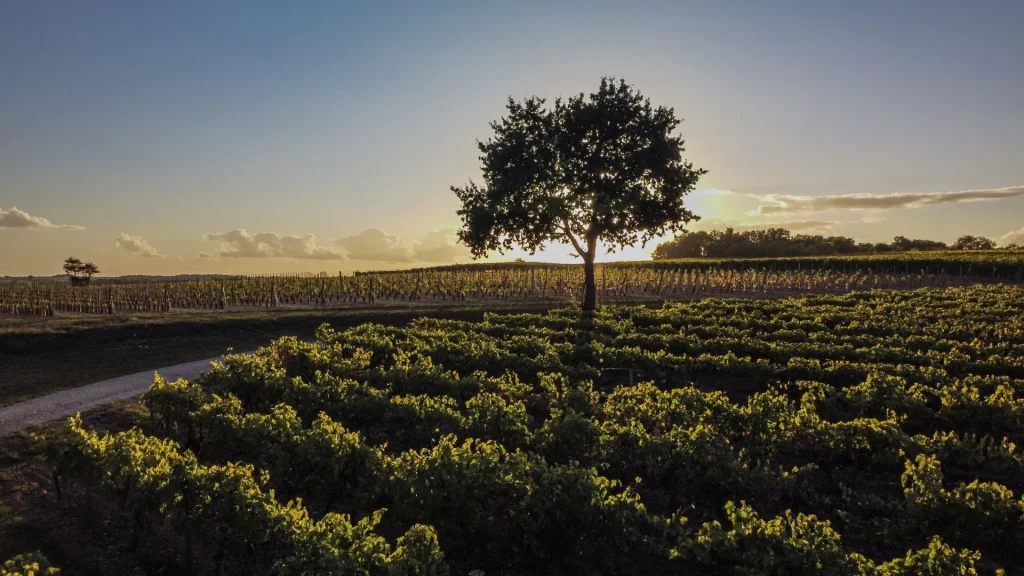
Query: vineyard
point(862, 433)
point(679, 279)
point(999, 263)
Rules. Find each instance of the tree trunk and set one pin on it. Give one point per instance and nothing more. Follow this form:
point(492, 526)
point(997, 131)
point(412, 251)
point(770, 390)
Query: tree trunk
point(589, 285)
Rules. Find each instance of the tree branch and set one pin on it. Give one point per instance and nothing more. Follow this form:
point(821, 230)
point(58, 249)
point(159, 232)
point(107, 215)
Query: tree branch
point(575, 243)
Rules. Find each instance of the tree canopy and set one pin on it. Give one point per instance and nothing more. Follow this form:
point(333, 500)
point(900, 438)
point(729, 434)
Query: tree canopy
point(779, 242)
point(973, 243)
point(80, 271)
point(605, 168)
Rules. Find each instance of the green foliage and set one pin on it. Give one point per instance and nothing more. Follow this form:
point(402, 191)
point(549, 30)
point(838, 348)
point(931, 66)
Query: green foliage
point(243, 525)
point(788, 544)
point(33, 564)
point(938, 559)
point(754, 433)
point(981, 513)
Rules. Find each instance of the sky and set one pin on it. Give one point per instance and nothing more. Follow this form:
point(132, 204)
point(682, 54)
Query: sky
point(263, 136)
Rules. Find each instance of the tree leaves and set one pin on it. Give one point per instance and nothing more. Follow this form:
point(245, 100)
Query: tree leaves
point(601, 167)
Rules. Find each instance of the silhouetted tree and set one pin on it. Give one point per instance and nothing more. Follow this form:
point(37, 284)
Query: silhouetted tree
point(80, 272)
point(599, 168)
point(904, 244)
point(73, 267)
point(89, 269)
point(776, 242)
point(973, 243)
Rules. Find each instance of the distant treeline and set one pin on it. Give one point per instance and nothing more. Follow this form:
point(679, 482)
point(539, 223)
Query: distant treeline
point(781, 243)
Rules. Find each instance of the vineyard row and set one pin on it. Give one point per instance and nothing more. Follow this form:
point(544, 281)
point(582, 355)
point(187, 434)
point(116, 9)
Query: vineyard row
point(614, 283)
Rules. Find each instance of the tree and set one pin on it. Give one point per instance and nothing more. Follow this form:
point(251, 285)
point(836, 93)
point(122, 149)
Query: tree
point(80, 272)
point(973, 243)
point(771, 242)
point(688, 245)
point(73, 267)
point(89, 269)
point(904, 244)
point(605, 168)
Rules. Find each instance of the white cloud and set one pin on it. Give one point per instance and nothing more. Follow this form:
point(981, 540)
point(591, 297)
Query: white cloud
point(137, 245)
point(15, 218)
point(241, 244)
point(437, 246)
point(792, 204)
point(372, 244)
point(375, 244)
point(1012, 237)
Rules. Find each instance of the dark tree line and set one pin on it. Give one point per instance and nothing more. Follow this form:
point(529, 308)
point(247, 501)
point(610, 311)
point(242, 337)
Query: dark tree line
point(779, 242)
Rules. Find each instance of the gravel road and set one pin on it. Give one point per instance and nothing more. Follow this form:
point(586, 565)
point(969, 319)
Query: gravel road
point(69, 402)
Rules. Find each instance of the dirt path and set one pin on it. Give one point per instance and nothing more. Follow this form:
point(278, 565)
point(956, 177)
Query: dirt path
point(68, 402)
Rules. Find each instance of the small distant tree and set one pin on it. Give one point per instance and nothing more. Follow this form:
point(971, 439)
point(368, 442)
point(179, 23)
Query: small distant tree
point(73, 267)
point(600, 168)
point(89, 269)
point(80, 272)
point(973, 243)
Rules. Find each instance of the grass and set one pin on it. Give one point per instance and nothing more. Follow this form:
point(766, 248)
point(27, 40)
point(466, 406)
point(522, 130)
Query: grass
point(43, 355)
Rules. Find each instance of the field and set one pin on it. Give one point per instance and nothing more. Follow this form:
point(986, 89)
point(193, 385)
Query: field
point(40, 355)
point(986, 263)
point(863, 433)
point(482, 283)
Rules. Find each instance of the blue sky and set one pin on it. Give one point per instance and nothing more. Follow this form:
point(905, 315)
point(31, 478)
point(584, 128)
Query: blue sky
point(330, 132)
